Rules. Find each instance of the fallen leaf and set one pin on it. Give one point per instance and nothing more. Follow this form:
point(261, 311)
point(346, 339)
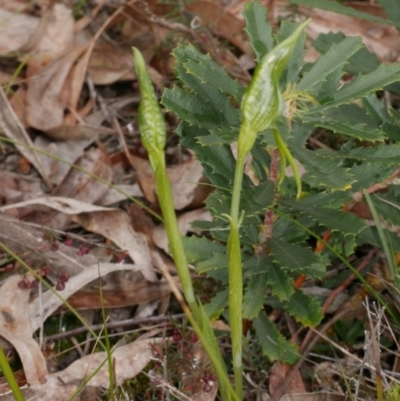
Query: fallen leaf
point(78, 185)
point(120, 294)
point(321, 396)
point(14, 130)
point(129, 361)
point(15, 327)
point(278, 376)
point(41, 309)
point(113, 224)
point(16, 30)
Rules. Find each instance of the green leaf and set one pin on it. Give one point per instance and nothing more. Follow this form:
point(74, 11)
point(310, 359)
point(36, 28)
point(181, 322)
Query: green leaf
point(274, 346)
point(304, 309)
point(297, 259)
point(256, 290)
point(385, 154)
point(218, 161)
point(210, 109)
point(257, 199)
point(295, 63)
point(280, 283)
point(258, 29)
point(349, 120)
point(392, 9)
point(370, 236)
point(388, 206)
point(341, 9)
point(217, 305)
point(361, 86)
point(201, 249)
point(332, 200)
point(336, 57)
point(336, 220)
point(328, 172)
point(368, 173)
point(362, 62)
point(190, 62)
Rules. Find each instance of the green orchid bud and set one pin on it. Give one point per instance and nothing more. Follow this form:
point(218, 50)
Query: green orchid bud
point(151, 120)
point(263, 103)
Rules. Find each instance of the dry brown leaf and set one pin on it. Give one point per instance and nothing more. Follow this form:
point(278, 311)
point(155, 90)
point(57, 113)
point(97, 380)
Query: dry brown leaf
point(15, 327)
point(113, 196)
point(18, 188)
point(16, 30)
point(383, 40)
point(184, 179)
point(18, 104)
point(109, 63)
point(113, 224)
point(120, 294)
point(22, 237)
point(321, 396)
point(13, 129)
point(41, 309)
point(221, 22)
point(129, 360)
point(45, 108)
point(69, 150)
point(278, 376)
point(184, 224)
point(80, 186)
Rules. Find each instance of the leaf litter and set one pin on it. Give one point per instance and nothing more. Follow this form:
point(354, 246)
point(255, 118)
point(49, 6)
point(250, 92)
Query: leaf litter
point(76, 72)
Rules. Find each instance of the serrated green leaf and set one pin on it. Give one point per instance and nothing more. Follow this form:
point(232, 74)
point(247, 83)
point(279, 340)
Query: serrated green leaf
point(392, 9)
point(218, 161)
point(328, 172)
point(336, 220)
point(349, 120)
point(385, 154)
point(274, 346)
point(295, 63)
point(280, 283)
point(210, 109)
point(324, 89)
point(297, 259)
point(217, 305)
point(361, 86)
point(388, 206)
point(200, 249)
point(257, 198)
point(370, 236)
point(336, 57)
point(362, 62)
point(304, 309)
point(206, 70)
point(341, 9)
point(332, 200)
point(367, 174)
point(376, 109)
point(256, 290)
point(217, 261)
point(258, 29)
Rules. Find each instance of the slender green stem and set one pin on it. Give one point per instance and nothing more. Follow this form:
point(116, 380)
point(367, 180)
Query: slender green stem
point(9, 375)
point(174, 237)
point(285, 151)
point(236, 278)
